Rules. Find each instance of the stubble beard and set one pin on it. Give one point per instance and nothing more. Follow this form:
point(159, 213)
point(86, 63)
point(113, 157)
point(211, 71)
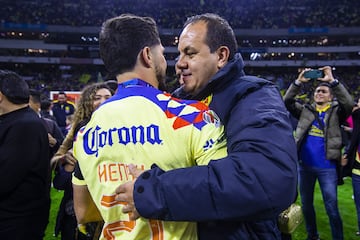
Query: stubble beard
point(161, 77)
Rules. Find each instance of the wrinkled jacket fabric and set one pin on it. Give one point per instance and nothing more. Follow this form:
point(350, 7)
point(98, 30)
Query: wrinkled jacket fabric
point(240, 196)
point(337, 113)
point(352, 149)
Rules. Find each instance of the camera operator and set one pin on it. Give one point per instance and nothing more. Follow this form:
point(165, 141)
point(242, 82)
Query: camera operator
point(318, 138)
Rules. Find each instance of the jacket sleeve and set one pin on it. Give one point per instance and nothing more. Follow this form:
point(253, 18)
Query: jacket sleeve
point(345, 101)
point(291, 104)
point(257, 180)
point(355, 138)
point(57, 134)
point(62, 178)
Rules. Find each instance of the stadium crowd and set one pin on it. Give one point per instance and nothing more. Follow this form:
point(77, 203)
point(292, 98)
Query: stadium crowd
point(172, 13)
point(46, 77)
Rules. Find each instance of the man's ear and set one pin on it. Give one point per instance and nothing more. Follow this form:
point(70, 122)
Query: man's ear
point(223, 53)
point(145, 57)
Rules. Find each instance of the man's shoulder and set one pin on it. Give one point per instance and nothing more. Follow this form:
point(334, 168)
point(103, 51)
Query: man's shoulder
point(68, 103)
point(249, 79)
point(29, 121)
point(246, 84)
point(50, 122)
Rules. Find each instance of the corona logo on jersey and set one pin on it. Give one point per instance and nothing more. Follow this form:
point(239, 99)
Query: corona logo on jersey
point(96, 138)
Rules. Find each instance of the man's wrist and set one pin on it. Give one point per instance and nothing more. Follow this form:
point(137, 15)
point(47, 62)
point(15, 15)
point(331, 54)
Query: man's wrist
point(297, 83)
point(334, 83)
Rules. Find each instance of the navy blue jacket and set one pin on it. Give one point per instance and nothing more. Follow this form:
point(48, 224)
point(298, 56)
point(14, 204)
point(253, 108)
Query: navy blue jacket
point(61, 110)
point(240, 196)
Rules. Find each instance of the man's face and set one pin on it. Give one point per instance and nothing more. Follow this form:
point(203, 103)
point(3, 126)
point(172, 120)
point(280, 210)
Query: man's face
point(61, 98)
point(196, 64)
point(160, 65)
point(322, 95)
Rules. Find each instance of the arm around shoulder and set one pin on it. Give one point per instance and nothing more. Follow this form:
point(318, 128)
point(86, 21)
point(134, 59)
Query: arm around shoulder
point(262, 155)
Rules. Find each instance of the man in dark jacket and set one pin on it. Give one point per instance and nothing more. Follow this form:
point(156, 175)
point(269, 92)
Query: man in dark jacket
point(61, 109)
point(54, 133)
point(241, 195)
point(24, 161)
point(46, 109)
point(353, 162)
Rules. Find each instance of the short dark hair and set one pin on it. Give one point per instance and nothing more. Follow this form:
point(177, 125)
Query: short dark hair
point(219, 32)
point(14, 87)
point(35, 95)
point(45, 104)
point(326, 84)
point(122, 38)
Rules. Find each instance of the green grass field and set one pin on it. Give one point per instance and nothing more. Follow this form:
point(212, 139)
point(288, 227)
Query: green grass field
point(56, 197)
point(347, 211)
point(346, 205)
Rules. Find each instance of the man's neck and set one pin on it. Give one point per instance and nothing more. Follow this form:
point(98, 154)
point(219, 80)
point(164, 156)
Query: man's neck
point(12, 107)
point(121, 78)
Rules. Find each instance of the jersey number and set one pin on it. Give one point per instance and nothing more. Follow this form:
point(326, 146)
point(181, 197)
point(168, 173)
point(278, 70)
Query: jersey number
point(155, 225)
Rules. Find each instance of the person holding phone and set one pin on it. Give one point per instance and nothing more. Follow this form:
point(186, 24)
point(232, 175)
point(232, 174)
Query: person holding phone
point(319, 142)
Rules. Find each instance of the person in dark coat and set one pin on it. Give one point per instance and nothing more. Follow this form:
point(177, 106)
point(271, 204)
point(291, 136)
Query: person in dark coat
point(46, 112)
point(62, 109)
point(24, 161)
point(241, 195)
point(351, 155)
point(54, 133)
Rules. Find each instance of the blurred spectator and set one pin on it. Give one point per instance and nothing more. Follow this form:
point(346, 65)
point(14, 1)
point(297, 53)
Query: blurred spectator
point(24, 160)
point(352, 155)
point(171, 14)
point(54, 133)
point(46, 109)
point(318, 137)
point(91, 97)
point(61, 109)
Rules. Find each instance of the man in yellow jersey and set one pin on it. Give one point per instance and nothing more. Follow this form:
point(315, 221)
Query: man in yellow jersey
point(141, 125)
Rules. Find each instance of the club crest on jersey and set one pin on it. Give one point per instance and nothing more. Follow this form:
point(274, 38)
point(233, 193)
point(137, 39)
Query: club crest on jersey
point(210, 116)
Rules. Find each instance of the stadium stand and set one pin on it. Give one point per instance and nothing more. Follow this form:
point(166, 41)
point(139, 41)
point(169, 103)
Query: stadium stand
point(53, 44)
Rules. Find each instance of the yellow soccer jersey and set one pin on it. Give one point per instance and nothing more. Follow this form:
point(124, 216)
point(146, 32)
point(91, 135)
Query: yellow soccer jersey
point(143, 126)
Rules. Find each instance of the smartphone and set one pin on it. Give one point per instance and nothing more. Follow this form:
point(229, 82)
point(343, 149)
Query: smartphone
point(314, 74)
